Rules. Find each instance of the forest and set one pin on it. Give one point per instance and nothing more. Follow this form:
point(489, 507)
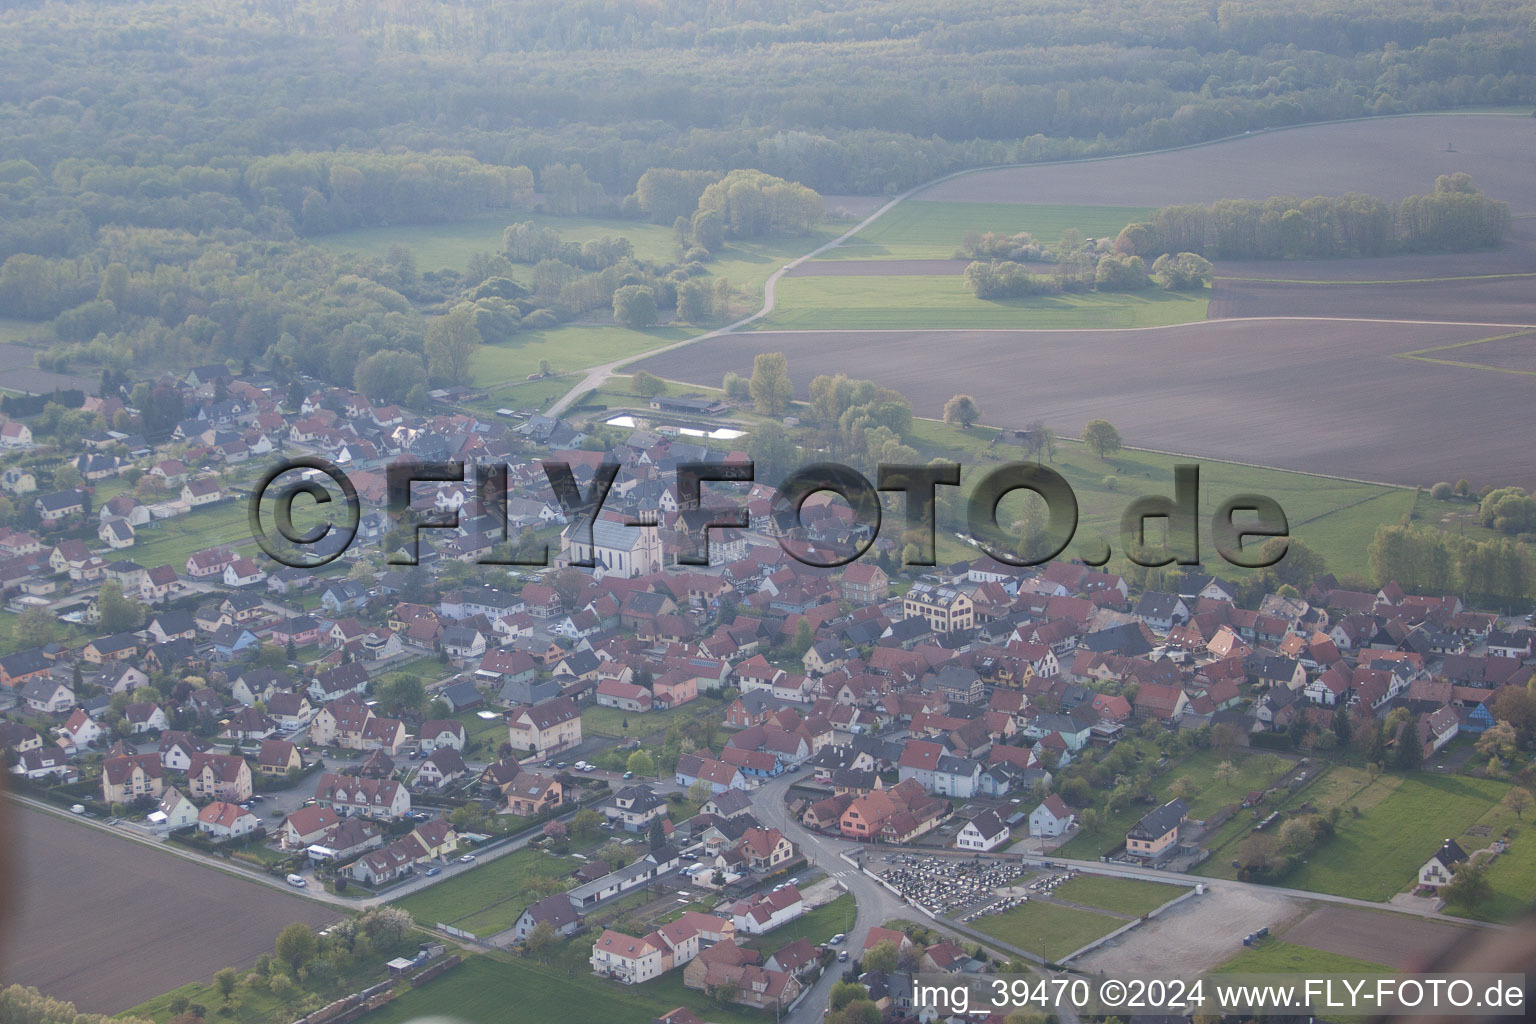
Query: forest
point(164, 165)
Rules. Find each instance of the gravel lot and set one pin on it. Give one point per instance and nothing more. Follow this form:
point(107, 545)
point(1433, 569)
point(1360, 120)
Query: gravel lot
point(1194, 936)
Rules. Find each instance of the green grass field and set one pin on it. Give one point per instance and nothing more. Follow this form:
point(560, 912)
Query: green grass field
point(945, 302)
point(610, 721)
point(568, 349)
point(16, 329)
point(1272, 956)
point(1252, 771)
point(1046, 929)
point(485, 990)
point(490, 897)
point(170, 541)
point(449, 245)
point(746, 263)
point(528, 395)
point(1378, 853)
point(1122, 895)
point(921, 229)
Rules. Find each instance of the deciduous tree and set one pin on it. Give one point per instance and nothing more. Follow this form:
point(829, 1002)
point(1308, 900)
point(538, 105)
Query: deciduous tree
point(1101, 438)
point(770, 385)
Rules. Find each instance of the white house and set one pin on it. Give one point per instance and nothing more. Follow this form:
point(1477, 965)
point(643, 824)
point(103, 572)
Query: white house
point(79, 732)
point(226, 821)
point(630, 960)
point(986, 831)
point(765, 911)
point(442, 732)
point(243, 572)
point(1437, 871)
point(1052, 818)
point(179, 812)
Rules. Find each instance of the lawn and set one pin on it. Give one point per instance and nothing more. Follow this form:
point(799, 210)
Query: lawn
point(528, 395)
point(819, 925)
point(1122, 895)
point(1378, 853)
point(568, 349)
point(170, 541)
point(485, 990)
point(1513, 878)
point(919, 229)
point(944, 301)
point(1271, 956)
point(1253, 770)
point(488, 898)
point(610, 721)
point(1046, 929)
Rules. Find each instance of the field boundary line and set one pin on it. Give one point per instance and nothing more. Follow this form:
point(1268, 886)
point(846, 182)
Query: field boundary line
point(1392, 280)
point(1519, 328)
point(1422, 354)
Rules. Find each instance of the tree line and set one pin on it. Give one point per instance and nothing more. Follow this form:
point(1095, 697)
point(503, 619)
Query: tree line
point(1455, 217)
point(1498, 572)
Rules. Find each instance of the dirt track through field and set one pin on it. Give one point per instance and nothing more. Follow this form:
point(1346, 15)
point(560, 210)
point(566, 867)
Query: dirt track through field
point(1398, 941)
point(107, 923)
point(1317, 396)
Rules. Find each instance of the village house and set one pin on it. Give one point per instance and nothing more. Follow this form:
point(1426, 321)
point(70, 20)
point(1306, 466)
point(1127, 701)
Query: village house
point(547, 728)
point(1157, 832)
point(349, 795)
point(224, 777)
point(222, 820)
point(984, 832)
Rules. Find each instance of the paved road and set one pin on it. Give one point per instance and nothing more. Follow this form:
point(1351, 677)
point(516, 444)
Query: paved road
point(876, 904)
point(597, 375)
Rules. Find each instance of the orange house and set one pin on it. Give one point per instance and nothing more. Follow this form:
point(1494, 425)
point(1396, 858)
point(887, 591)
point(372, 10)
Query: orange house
point(674, 688)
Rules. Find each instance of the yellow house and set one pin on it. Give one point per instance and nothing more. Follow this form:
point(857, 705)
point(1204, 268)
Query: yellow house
point(1158, 832)
point(126, 779)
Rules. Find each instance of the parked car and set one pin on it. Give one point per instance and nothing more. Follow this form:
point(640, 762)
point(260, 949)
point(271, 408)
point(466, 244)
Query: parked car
point(297, 881)
point(842, 956)
point(561, 765)
point(77, 809)
point(434, 871)
point(629, 775)
point(468, 858)
point(836, 940)
point(257, 798)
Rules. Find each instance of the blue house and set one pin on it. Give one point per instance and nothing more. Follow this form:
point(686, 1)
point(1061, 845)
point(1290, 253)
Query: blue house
point(229, 641)
point(344, 596)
